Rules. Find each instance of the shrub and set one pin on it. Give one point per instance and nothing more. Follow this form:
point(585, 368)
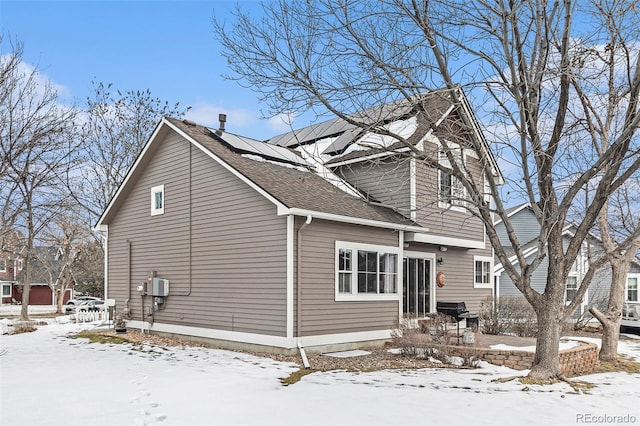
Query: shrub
point(24, 327)
point(430, 339)
point(508, 315)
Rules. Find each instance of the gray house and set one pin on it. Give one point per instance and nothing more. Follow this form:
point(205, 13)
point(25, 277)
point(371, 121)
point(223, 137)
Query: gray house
point(528, 231)
point(316, 238)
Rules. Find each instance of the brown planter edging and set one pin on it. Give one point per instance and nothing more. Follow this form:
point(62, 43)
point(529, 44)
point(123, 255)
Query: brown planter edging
point(576, 361)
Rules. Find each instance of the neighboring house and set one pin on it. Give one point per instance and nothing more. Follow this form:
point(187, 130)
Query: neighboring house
point(312, 239)
point(45, 269)
point(9, 268)
point(527, 229)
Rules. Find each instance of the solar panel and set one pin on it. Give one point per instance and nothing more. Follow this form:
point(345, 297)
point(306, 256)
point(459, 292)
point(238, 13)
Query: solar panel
point(265, 150)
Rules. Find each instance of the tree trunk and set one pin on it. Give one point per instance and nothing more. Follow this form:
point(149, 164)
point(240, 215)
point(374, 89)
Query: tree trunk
point(612, 318)
point(546, 362)
point(26, 286)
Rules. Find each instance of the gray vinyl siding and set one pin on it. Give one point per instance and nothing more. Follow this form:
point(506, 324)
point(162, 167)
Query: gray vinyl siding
point(219, 243)
point(321, 313)
point(538, 280)
point(459, 269)
point(447, 222)
point(525, 224)
point(385, 180)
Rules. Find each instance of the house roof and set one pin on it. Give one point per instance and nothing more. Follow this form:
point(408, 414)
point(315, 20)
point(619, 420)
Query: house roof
point(302, 182)
point(339, 139)
point(294, 187)
point(279, 173)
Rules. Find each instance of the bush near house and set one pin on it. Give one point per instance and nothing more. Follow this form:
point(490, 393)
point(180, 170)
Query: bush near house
point(508, 315)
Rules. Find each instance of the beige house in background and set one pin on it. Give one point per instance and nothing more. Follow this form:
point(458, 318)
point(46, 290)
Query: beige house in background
point(322, 237)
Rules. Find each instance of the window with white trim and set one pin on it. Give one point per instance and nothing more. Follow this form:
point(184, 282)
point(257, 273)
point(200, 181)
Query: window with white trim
point(632, 288)
point(157, 200)
point(451, 191)
point(366, 271)
point(3, 264)
point(6, 290)
point(571, 288)
point(482, 271)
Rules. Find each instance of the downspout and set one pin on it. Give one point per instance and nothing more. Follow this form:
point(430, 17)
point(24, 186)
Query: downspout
point(305, 361)
point(127, 309)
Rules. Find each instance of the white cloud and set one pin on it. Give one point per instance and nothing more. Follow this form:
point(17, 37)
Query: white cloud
point(24, 70)
point(281, 123)
point(238, 119)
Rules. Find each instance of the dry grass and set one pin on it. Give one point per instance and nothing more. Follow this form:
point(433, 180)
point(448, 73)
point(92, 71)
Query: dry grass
point(378, 359)
point(621, 364)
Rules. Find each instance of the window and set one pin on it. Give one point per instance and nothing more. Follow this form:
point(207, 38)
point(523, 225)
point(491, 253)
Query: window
point(632, 289)
point(483, 271)
point(157, 200)
point(571, 288)
point(344, 271)
point(6, 290)
point(366, 271)
point(3, 264)
point(451, 191)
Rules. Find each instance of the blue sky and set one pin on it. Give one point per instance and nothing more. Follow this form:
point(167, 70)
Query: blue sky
point(165, 46)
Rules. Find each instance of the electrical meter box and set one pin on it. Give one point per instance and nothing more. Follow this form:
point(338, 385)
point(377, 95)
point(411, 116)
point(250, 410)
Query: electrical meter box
point(160, 287)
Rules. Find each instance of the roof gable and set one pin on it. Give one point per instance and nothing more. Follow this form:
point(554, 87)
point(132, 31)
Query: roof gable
point(278, 174)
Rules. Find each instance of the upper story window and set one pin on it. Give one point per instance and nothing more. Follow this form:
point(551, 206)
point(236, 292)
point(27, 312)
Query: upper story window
point(451, 192)
point(571, 288)
point(3, 264)
point(632, 288)
point(483, 271)
point(157, 200)
point(365, 271)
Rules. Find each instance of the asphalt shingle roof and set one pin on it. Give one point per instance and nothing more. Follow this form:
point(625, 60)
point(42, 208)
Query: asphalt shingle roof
point(293, 187)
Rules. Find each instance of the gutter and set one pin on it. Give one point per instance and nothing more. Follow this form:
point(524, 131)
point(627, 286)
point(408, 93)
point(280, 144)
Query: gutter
point(349, 219)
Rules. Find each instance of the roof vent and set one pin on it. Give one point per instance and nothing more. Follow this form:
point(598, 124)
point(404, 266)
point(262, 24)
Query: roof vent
point(222, 118)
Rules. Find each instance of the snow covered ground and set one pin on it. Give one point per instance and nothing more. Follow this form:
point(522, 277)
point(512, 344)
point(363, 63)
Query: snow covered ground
point(48, 378)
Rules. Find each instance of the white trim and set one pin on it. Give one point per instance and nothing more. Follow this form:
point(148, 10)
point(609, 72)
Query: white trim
point(4, 262)
point(626, 287)
point(433, 288)
point(400, 275)
point(232, 336)
point(341, 338)
point(263, 339)
point(2, 285)
point(164, 122)
point(421, 237)
point(105, 242)
point(413, 198)
point(499, 268)
point(290, 274)
point(158, 189)
point(369, 157)
point(99, 224)
point(355, 296)
point(350, 219)
point(456, 205)
point(488, 259)
point(227, 166)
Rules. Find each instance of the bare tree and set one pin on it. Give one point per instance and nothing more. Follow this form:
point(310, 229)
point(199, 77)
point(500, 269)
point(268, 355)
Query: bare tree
point(36, 146)
point(519, 64)
point(116, 127)
point(620, 256)
point(67, 234)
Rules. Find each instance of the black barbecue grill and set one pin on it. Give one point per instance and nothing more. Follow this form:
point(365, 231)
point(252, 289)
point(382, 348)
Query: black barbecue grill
point(457, 311)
